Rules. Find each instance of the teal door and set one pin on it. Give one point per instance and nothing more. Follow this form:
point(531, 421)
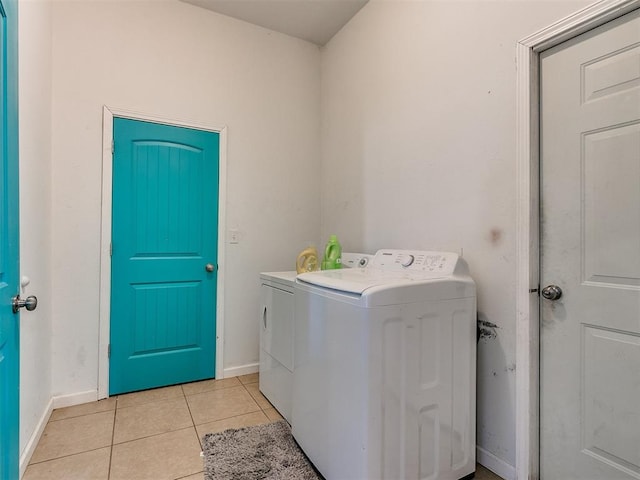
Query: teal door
point(164, 255)
point(9, 241)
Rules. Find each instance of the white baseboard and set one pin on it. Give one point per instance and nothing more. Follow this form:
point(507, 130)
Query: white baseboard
point(72, 399)
point(241, 370)
point(27, 453)
point(495, 464)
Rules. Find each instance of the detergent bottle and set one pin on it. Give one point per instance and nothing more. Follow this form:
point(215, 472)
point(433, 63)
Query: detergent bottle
point(307, 260)
point(332, 254)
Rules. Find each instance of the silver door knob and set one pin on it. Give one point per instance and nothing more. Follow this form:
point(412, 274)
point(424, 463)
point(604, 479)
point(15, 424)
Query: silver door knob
point(551, 292)
point(30, 303)
point(210, 267)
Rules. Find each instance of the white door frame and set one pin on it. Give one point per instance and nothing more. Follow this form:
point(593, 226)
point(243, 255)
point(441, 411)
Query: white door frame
point(528, 267)
point(105, 235)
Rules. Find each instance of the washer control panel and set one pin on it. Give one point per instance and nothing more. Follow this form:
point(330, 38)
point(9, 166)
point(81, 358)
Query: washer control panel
point(355, 260)
point(418, 261)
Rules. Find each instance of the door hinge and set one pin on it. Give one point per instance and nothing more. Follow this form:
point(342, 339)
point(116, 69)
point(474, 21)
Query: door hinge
point(111, 249)
point(113, 147)
point(109, 351)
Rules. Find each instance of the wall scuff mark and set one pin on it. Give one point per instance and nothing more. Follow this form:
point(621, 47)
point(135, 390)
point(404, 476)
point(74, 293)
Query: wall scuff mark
point(487, 329)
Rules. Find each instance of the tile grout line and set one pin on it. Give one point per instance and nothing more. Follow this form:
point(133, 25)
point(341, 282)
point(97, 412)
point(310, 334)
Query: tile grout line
point(79, 416)
point(153, 435)
point(158, 400)
point(193, 422)
point(72, 453)
point(216, 389)
point(68, 455)
point(113, 434)
point(262, 409)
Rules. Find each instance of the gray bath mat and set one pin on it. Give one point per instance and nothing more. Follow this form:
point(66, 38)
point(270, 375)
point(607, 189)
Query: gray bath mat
point(260, 452)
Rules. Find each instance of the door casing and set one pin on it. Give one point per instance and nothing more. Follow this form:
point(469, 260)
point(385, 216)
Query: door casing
point(105, 237)
point(528, 221)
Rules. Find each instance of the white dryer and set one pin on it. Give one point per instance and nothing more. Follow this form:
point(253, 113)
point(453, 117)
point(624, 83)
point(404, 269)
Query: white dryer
point(385, 372)
point(276, 339)
point(276, 333)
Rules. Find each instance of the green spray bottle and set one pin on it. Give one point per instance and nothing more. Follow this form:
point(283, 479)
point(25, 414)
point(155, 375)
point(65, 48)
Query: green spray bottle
point(332, 254)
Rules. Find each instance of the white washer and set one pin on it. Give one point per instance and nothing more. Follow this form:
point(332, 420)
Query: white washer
point(385, 371)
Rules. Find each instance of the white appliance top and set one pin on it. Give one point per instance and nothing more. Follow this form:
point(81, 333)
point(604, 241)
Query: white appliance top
point(389, 267)
point(349, 260)
point(285, 278)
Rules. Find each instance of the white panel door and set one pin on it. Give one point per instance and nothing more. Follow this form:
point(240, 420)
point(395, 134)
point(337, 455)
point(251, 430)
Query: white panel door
point(590, 248)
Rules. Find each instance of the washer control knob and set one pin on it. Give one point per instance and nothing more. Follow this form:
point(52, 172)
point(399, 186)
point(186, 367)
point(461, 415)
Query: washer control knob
point(406, 260)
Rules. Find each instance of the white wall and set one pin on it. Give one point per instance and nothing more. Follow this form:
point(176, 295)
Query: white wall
point(35, 214)
point(175, 60)
point(418, 151)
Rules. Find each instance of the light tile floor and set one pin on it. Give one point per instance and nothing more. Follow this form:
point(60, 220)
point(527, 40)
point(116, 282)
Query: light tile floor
point(150, 435)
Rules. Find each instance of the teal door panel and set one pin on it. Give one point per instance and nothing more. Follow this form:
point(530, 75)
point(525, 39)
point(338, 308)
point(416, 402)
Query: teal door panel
point(9, 242)
point(164, 233)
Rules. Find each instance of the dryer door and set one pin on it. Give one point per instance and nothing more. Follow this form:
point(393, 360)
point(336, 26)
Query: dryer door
point(277, 324)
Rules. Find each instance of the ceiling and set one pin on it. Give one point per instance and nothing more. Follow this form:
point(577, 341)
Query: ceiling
point(313, 20)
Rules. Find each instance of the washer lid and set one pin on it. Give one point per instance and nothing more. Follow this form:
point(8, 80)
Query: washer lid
point(390, 268)
point(359, 280)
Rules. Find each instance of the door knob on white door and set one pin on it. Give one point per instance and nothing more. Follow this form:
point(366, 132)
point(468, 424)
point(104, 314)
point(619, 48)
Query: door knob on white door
point(552, 292)
point(30, 303)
